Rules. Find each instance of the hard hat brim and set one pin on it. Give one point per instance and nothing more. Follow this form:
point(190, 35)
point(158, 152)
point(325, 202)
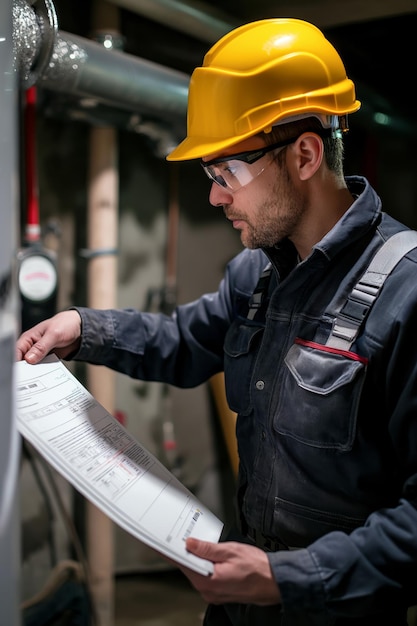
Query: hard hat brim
point(196, 148)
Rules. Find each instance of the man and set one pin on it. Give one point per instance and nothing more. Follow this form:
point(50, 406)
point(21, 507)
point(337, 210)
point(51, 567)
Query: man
point(326, 428)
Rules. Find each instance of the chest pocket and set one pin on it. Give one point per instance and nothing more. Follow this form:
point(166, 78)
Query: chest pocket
point(242, 342)
point(321, 385)
point(240, 350)
point(320, 392)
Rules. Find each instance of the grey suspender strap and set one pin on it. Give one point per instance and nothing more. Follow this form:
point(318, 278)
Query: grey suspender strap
point(353, 313)
point(259, 293)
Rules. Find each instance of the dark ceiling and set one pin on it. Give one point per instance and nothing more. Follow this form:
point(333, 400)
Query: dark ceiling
point(375, 38)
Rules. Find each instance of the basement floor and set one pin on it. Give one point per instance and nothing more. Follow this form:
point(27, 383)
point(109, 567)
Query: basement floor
point(157, 599)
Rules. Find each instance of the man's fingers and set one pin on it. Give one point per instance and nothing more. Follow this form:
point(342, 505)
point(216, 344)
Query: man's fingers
point(61, 334)
point(26, 345)
point(206, 550)
point(37, 352)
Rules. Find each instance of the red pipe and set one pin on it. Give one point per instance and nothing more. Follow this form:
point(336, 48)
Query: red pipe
point(32, 229)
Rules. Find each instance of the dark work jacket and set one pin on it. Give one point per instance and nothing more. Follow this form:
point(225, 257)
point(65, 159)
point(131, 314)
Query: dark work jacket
point(327, 440)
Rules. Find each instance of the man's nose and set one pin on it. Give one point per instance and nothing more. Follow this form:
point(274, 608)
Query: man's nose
point(219, 196)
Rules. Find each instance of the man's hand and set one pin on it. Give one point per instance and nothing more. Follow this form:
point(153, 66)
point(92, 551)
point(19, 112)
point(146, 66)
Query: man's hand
point(241, 573)
point(59, 334)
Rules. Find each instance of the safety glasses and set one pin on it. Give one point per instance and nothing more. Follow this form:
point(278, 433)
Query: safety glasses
point(238, 170)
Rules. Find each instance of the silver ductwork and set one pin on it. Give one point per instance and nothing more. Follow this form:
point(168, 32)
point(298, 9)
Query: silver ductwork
point(94, 75)
point(34, 34)
point(87, 69)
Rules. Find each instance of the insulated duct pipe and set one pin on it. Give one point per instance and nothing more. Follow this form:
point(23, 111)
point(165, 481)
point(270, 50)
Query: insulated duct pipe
point(85, 69)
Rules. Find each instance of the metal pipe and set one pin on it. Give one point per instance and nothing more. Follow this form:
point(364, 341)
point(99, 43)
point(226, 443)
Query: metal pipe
point(10, 548)
point(79, 67)
point(197, 19)
point(205, 22)
point(86, 69)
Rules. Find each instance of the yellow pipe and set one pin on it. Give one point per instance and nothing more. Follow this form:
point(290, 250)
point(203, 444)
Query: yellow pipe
point(227, 419)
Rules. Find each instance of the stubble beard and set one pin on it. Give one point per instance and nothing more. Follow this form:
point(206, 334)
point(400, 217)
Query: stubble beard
point(277, 218)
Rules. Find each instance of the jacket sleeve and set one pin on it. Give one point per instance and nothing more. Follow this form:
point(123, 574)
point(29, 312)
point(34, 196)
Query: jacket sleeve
point(369, 571)
point(184, 349)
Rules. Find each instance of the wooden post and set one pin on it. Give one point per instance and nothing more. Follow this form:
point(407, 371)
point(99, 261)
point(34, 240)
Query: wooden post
point(102, 294)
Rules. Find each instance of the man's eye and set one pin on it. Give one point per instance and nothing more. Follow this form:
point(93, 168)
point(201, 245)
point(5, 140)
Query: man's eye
point(231, 168)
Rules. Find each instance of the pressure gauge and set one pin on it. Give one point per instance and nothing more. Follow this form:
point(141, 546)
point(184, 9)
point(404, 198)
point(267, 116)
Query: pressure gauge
point(38, 284)
point(37, 277)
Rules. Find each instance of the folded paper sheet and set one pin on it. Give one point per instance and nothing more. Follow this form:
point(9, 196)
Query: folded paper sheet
point(103, 461)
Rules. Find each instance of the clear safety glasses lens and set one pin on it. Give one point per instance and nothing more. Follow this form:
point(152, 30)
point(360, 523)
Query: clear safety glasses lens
point(233, 174)
point(238, 170)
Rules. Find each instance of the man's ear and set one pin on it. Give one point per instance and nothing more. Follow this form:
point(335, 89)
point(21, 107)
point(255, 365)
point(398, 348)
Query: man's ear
point(309, 152)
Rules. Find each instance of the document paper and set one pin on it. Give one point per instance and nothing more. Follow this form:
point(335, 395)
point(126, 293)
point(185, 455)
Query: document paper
point(101, 459)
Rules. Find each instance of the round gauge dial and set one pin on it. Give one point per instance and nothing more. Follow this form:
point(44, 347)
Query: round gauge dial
point(37, 278)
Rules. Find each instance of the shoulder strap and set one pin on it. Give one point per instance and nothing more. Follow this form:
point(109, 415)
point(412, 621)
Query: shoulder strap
point(258, 296)
point(363, 295)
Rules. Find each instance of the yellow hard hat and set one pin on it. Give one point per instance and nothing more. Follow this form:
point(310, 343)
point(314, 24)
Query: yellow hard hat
point(258, 75)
